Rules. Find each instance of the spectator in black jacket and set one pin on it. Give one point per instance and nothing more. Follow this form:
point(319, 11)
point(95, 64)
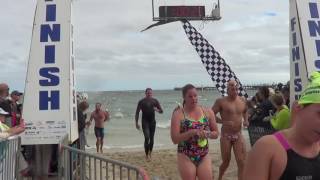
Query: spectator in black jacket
point(264, 108)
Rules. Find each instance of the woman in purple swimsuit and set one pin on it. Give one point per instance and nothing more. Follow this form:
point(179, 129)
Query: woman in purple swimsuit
point(294, 153)
point(191, 127)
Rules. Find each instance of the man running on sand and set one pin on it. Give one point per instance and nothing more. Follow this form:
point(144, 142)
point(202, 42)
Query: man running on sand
point(148, 105)
point(99, 116)
point(232, 109)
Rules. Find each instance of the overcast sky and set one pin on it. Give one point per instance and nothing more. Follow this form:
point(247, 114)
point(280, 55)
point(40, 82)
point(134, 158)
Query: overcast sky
point(112, 54)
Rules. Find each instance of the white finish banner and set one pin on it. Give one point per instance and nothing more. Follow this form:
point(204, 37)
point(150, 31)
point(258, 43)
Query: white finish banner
point(304, 33)
point(49, 106)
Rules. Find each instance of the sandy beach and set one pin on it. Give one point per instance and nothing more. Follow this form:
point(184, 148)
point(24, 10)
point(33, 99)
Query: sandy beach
point(163, 164)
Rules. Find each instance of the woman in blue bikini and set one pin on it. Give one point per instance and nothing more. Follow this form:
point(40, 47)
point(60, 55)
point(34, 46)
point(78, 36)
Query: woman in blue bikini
point(191, 127)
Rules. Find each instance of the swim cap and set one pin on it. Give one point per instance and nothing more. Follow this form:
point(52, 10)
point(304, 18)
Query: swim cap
point(202, 142)
point(311, 95)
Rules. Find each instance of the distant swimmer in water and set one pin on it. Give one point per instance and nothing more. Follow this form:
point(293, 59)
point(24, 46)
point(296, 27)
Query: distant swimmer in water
point(191, 127)
point(294, 153)
point(99, 116)
point(148, 105)
point(233, 112)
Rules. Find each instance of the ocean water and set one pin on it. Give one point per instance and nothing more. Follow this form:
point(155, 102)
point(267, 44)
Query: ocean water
point(120, 131)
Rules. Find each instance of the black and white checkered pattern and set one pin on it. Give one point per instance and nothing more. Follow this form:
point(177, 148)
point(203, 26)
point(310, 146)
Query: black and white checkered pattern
point(217, 68)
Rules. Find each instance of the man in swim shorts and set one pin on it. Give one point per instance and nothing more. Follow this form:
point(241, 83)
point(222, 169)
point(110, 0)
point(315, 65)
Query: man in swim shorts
point(148, 105)
point(99, 116)
point(233, 111)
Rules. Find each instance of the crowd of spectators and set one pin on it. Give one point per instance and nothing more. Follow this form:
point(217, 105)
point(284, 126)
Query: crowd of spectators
point(269, 110)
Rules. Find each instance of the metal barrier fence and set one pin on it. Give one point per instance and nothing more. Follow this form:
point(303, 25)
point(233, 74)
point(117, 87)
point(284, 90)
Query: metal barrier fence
point(9, 157)
point(75, 164)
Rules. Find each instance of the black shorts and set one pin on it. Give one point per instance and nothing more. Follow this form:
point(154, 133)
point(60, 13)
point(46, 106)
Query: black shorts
point(99, 132)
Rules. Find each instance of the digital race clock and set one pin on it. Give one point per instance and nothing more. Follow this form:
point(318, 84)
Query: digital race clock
point(181, 12)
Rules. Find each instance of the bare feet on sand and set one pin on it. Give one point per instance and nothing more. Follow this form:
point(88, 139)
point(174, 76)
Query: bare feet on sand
point(148, 158)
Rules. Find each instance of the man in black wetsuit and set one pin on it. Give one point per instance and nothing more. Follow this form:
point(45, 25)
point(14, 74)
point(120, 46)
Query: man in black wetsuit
point(148, 106)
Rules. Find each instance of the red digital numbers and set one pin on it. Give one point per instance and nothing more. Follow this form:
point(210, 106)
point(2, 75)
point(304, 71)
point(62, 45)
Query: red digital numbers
point(184, 11)
point(181, 11)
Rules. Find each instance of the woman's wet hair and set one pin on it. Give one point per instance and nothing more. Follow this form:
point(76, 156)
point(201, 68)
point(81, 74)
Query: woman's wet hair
point(186, 88)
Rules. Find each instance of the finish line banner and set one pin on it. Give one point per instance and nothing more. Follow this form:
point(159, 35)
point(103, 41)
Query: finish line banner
point(49, 106)
point(304, 33)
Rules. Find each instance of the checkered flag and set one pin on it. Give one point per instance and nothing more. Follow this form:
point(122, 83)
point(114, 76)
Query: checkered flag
point(217, 68)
